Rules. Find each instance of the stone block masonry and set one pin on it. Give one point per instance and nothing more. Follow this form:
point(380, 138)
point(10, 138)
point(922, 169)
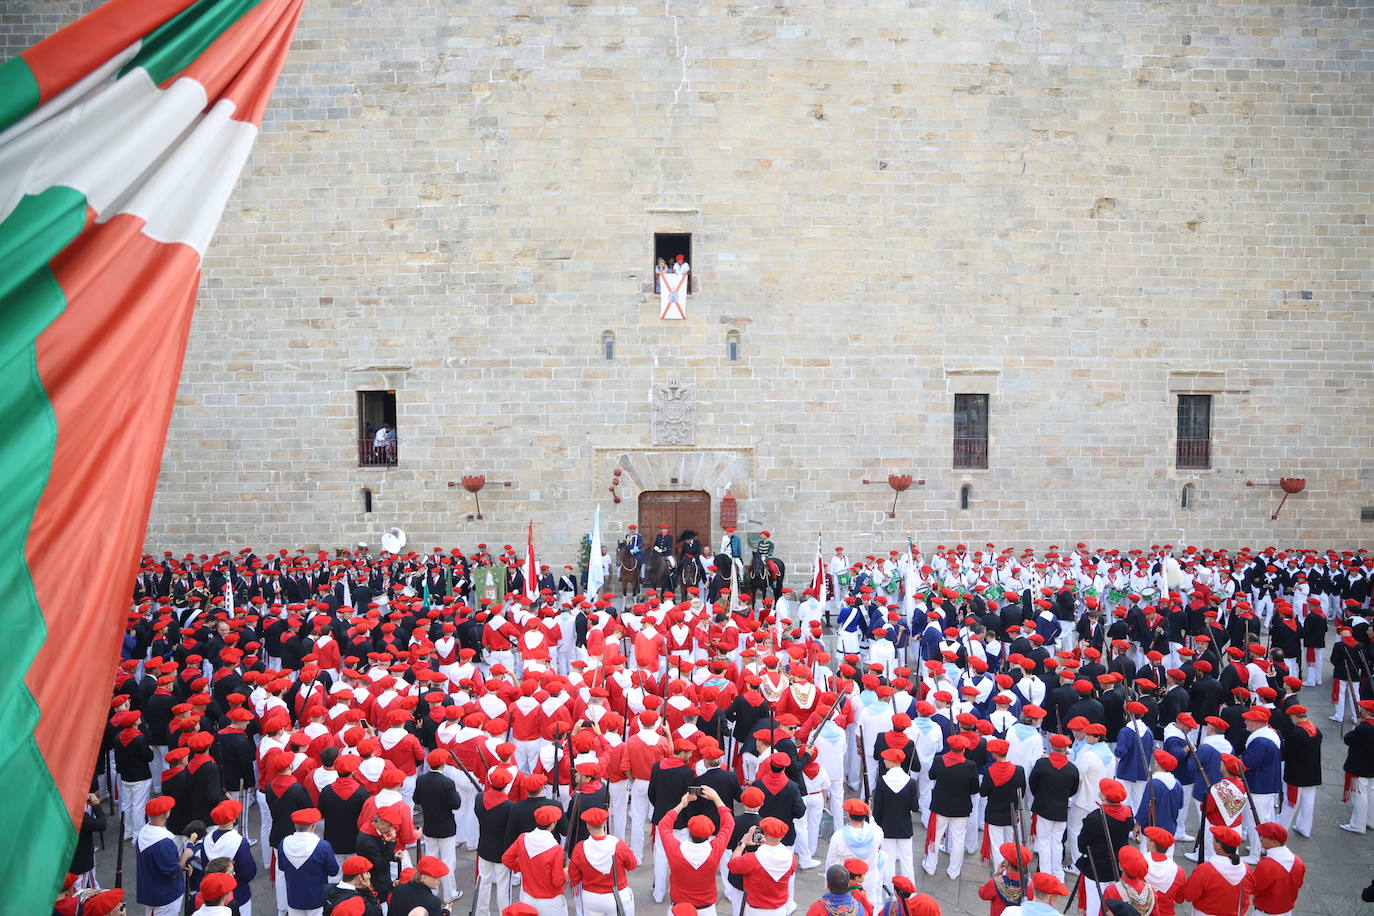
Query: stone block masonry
point(1081, 210)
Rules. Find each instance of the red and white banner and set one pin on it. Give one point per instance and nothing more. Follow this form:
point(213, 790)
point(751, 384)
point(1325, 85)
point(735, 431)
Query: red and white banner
point(673, 290)
point(531, 568)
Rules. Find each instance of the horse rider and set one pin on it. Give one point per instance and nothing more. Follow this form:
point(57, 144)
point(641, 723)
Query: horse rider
point(663, 545)
point(691, 551)
point(765, 546)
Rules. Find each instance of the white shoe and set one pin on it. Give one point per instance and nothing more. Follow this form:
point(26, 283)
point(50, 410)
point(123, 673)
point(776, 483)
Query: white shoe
point(927, 869)
point(1335, 718)
point(1350, 828)
point(1185, 838)
point(1190, 856)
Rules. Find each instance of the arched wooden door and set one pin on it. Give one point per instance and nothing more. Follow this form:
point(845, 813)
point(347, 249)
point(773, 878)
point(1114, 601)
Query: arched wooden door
point(680, 510)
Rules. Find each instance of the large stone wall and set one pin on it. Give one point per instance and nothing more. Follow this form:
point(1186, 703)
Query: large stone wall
point(1082, 209)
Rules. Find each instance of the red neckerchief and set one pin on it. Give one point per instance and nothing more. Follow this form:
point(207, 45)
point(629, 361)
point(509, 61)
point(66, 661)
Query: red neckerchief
point(127, 736)
point(671, 763)
point(493, 797)
point(171, 772)
point(773, 780)
point(1309, 728)
point(1057, 760)
point(1118, 812)
point(198, 761)
point(345, 786)
point(952, 758)
point(1001, 772)
point(811, 769)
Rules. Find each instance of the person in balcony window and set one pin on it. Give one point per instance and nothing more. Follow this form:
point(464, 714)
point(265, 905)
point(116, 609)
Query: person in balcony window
point(380, 440)
point(660, 268)
point(680, 265)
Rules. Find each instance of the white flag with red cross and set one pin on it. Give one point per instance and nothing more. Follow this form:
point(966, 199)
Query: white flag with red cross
point(673, 292)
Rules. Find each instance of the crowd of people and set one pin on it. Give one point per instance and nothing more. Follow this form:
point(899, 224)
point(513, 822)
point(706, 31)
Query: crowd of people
point(1125, 728)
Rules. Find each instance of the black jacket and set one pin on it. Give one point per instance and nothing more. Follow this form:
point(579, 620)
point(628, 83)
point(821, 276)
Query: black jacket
point(787, 805)
point(1101, 839)
point(341, 813)
point(1002, 797)
point(406, 897)
point(491, 830)
point(381, 854)
point(294, 799)
point(83, 857)
point(954, 785)
point(1302, 757)
point(335, 895)
point(727, 786)
point(1359, 759)
point(132, 760)
point(667, 785)
point(1052, 788)
point(234, 751)
point(437, 798)
point(893, 811)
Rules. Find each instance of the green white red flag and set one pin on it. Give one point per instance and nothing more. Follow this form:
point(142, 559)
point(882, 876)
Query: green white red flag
point(121, 137)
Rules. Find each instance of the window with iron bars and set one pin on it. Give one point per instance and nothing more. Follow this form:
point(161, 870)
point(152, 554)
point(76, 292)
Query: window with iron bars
point(970, 431)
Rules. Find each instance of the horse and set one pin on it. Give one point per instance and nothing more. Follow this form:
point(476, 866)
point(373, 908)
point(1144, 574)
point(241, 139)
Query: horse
point(764, 576)
point(627, 571)
point(657, 572)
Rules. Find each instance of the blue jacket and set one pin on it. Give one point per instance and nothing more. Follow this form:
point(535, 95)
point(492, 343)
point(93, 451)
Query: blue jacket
point(305, 883)
point(1263, 763)
point(245, 866)
point(1210, 758)
point(1186, 771)
point(1168, 801)
point(851, 618)
point(1132, 755)
point(160, 878)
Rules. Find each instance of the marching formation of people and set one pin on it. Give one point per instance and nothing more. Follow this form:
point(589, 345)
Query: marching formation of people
point(1125, 729)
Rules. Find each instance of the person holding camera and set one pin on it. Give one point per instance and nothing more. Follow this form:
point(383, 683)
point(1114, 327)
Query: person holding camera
point(694, 864)
point(767, 871)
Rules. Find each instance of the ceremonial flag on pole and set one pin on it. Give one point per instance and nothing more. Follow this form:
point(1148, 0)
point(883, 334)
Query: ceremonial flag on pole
point(818, 576)
point(596, 570)
point(531, 568)
point(121, 137)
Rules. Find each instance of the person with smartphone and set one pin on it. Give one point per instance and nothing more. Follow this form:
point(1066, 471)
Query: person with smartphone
point(768, 871)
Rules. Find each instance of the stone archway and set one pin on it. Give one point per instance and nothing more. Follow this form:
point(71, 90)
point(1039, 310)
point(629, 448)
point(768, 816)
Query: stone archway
point(715, 471)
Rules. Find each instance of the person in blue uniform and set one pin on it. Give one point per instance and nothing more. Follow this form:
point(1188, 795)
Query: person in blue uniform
point(1162, 802)
point(306, 862)
point(161, 875)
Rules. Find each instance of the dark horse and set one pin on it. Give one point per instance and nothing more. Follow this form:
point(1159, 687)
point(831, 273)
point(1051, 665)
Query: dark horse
point(764, 576)
point(651, 570)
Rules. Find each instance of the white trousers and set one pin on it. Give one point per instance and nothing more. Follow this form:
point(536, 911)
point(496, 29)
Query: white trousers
point(955, 827)
point(264, 824)
point(660, 869)
point(445, 849)
point(133, 797)
point(167, 909)
point(159, 764)
point(1076, 816)
point(1049, 845)
point(1342, 699)
point(547, 906)
point(808, 828)
point(1093, 892)
point(1135, 788)
point(1312, 675)
point(1298, 816)
point(1360, 812)
point(750, 765)
point(639, 814)
point(973, 835)
point(620, 800)
point(604, 904)
point(835, 802)
point(1264, 806)
point(901, 859)
point(294, 911)
point(996, 837)
point(466, 816)
point(527, 754)
point(492, 878)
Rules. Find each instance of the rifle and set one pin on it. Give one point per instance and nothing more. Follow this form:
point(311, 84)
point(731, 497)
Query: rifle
point(863, 762)
point(466, 772)
point(1016, 837)
point(119, 853)
point(1202, 816)
point(1073, 894)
